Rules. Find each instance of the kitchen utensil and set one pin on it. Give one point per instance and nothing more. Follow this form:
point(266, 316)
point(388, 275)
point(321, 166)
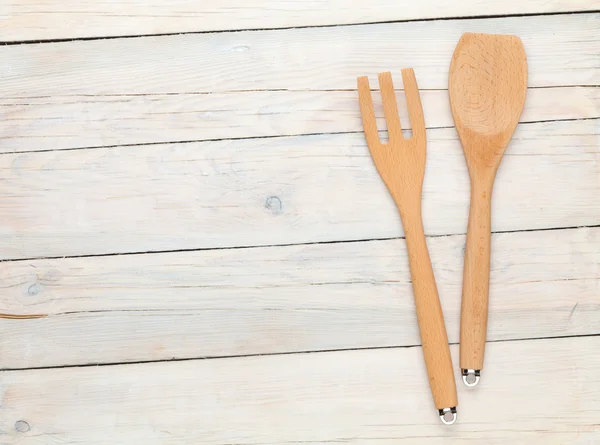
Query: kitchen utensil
point(401, 164)
point(487, 86)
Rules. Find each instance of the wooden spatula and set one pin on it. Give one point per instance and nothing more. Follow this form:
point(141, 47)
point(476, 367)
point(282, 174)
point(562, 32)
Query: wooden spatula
point(487, 86)
point(401, 164)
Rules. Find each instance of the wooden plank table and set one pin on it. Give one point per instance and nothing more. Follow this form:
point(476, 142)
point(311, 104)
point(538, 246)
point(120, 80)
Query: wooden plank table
point(197, 249)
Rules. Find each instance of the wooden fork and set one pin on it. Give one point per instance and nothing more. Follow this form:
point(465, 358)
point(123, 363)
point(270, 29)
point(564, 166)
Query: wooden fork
point(401, 165)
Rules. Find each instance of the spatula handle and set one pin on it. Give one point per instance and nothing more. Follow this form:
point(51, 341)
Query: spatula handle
point(430, 318)
point(476, 280)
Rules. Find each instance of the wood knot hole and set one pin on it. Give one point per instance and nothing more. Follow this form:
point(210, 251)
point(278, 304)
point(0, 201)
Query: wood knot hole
point(34, 289)
point(273, 204)
point(21, 426)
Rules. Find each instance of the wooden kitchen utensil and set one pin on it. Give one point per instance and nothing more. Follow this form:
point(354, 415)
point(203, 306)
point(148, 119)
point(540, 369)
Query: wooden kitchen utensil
point(487, 86)
point(401, 164)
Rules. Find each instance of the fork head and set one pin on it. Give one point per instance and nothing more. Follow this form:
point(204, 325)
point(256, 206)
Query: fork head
point(400, 161)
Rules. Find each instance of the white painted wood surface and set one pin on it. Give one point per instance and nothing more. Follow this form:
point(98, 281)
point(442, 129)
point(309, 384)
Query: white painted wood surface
point(37, 19)
point(293, 59)
point(61, 122)
point(285, 299)
point(279, 191)
point(535, 392)
point(181, 143)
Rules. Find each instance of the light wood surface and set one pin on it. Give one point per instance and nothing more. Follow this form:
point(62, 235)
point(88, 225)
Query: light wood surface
point(37, 19)
point(285, 299)
point(234, 164)
point(487, 89)
point(292, 59)
point(278, 191)
point(541, 391)
point(400, 161)
point(59, 122)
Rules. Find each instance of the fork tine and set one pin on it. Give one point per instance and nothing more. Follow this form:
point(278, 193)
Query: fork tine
point(413, 102)
point(390, 107)
point(367, 112)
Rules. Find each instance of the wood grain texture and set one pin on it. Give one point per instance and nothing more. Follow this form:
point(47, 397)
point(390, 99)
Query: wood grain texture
point(60, 122)
point(400, 162)
point(285, 299)
point(36, 19)
point(265, 300)
point(278, 191)
point(487, 86)
point(357, 397)
point(296, 59)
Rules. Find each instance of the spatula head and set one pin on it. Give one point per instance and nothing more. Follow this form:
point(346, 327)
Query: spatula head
point(487, 86)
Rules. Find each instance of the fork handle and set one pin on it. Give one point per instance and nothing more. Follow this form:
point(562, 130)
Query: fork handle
point(430, 317)
point(476, 279)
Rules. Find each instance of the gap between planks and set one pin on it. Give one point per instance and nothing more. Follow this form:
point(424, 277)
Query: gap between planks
point(286, 28)
point(180, 62)
point(57, 200)
point(102, 22)
point(299, 298)
point(275, 354)
point(51, 123)
point(359, 397)
point(263, 246)
point(243, 138)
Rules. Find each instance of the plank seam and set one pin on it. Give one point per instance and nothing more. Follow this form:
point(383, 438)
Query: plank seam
point(271, 354)
point(249, 138)
point(433, 19)
point(261, 90)
point(261, 246)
